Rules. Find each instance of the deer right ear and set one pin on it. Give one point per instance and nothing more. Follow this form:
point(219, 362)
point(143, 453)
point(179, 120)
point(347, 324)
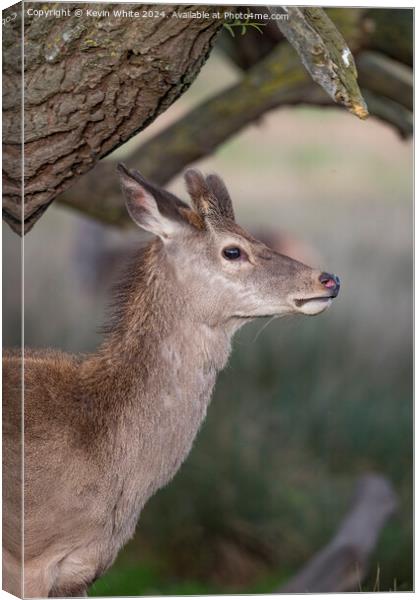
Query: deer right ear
point(142, 206)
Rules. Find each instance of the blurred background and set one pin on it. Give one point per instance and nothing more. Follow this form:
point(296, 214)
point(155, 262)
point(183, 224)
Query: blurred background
point(306, 405)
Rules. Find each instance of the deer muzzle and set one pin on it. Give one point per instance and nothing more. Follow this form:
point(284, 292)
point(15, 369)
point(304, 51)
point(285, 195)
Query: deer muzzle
point(326, 289)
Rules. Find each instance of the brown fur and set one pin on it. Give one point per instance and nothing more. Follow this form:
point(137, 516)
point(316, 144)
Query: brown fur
point(104, 431)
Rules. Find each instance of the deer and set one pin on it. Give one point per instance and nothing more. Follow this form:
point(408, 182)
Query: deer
point(104, 431)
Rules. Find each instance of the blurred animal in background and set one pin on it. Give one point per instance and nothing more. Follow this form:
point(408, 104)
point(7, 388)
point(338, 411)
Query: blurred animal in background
point(103, 432)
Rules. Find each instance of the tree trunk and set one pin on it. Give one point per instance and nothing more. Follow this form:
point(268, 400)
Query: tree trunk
point(91, 82)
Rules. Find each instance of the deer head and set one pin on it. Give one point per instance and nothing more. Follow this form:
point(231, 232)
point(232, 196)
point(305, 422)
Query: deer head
point(229, 275)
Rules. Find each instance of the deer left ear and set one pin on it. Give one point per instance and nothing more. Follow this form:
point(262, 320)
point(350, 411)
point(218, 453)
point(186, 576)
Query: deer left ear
point(209, 196)
point(143, 207)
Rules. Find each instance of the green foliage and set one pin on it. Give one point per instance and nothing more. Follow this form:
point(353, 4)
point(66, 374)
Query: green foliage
point(243, 25)
point(146, 580)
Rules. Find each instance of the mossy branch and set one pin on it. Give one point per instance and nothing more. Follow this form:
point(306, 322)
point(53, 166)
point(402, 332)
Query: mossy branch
point(324, 53)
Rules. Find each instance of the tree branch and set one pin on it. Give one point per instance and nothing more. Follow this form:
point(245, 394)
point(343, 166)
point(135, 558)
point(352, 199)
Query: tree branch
point(324, 53)
point(386, 77)
point(390, 112)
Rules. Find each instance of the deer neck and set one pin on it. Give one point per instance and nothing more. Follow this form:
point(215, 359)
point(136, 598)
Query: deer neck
point(154, 355)
point(147, 389)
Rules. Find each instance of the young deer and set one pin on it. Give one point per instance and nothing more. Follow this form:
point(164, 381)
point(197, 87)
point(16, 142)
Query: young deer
point(104, 431)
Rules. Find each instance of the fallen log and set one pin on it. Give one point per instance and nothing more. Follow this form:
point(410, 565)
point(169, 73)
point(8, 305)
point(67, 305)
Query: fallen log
point(343, 563)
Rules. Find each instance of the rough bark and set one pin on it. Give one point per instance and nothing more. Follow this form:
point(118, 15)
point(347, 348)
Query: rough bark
point(342, 565)
point(12, 98)
point(91, 83)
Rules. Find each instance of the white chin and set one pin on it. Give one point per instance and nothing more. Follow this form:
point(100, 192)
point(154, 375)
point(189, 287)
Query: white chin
point(315, 306)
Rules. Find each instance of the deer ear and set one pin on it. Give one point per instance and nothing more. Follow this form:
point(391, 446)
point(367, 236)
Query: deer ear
point(203, 200)
point(198, 191)
point(143, 207)
point(217, 187)
point(209, 196)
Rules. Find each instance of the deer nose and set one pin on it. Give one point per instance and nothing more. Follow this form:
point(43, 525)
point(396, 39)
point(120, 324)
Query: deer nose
point(331, 282)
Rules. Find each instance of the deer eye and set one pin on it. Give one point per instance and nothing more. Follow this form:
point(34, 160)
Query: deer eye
point(232, 253)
